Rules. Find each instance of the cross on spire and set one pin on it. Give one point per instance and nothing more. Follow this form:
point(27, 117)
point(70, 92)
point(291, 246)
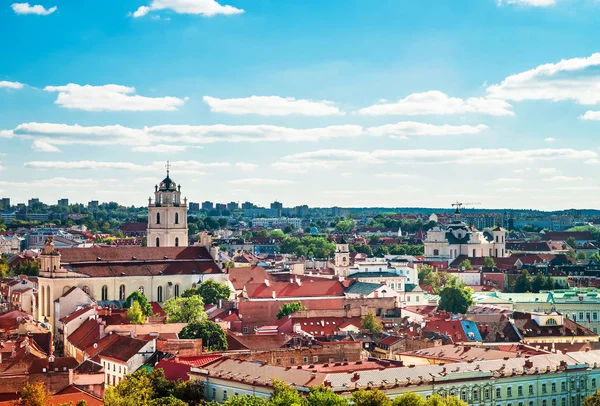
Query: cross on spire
point(168, 166)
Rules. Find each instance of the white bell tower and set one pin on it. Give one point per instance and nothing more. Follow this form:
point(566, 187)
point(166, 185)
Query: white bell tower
point(167, 216)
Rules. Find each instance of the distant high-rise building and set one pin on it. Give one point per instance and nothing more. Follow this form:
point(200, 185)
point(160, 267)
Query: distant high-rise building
point(232, 206)
point(301, 211)
point(194, 206)
point(5, 203)
point(277, 206)
point(93, 205)
point(221, 206)
point(207, 205)
point(247, 205)
point(63, 202)
point(33, 201)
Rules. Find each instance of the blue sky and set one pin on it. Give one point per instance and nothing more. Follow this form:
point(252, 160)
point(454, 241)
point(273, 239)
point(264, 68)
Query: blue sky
point(349, 103)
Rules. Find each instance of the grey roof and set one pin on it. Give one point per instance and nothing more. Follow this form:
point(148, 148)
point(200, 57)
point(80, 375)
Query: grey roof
point(411, 287)
point(374, 275)
point(362, 288)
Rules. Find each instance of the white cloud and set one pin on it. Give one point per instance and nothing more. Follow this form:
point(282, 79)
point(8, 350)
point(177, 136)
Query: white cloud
point(394, 175)
point(509, 180)
point(110, 98)
point(564, 80)
point(160, 148)
point(11, 85)
point(260, 181)
point(547, 171)
point(53, 183)
point(405, 129)
point(43, 146)
point(273, 106)
point(437, 103)
point(25, 8)
point(590, 115)
point(180, 167)
point(207, 8)
point(562, 178)
point(549, 139)
point(300, 167)
point(441, 156)
point(246, 166)
point(533, 3)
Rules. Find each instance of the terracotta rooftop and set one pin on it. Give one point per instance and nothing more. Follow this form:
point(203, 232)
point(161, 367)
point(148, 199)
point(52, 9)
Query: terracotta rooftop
point(310, 288)
point(123, 348)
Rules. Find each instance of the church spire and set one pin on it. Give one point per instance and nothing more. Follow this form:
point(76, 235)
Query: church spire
point(168, 165)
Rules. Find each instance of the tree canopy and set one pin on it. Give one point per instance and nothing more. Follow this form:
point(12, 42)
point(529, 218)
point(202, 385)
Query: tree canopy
point(137, 296)
point(212, 335)
point(289, 308)
point(456, 298)
point(371, 322)
point(135, 315)
point(34, 394)
point(185, 309)
point(307, 246)
point(212, 291)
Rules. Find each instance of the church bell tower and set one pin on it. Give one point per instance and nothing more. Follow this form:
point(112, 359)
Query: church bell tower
point(167, 216)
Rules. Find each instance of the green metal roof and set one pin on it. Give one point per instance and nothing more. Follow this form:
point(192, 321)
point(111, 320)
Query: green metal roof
point(363, 288)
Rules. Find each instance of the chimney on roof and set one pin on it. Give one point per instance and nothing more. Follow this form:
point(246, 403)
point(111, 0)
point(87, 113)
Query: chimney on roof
point(267, 282)
point(298, 281)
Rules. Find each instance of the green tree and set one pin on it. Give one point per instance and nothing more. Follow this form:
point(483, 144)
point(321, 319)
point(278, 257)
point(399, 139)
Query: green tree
point(245, 400)
point(370, 397)
point(456, 298)
point(488, 262)
point(592, 400)
point(523, 283)
point(437, 280)
point(581, 255)
point(324, 396)
point(190, 292)
point(185, 309)
point(371, 322)
point(34, 394)
point(424, 273)
point(284, 395)
point(409, 399)
point(137, 296)
point(277, 234)
point(135, 315)
point(212, 335)
point(344, 226)
point(168, 401)
point(3, 267)
point(29, 268)
point(595, 258)
point(539, 282)
point(466, 265)
point(362, 249)
point(289, 308)
point(212, 291)
point(572, 242)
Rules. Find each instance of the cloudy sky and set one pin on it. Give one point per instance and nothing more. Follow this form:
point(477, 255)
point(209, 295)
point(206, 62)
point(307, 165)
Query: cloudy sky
point(336, 102)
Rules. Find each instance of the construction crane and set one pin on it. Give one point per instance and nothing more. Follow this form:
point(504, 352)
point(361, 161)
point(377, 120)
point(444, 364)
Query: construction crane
point(459, 205)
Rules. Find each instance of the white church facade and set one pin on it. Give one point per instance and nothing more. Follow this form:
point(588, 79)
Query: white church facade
point(108, 274)
point(457, 238)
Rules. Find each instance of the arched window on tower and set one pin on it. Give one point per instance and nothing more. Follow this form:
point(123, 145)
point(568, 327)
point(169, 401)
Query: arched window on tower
point(436, 253)
point(176, 290)
point(159, 294)
point(104, 293)
point(177, 241)
point(157, 218)
point(176, 218)
point(122, 292)
point(157, 242)
point(86, 289)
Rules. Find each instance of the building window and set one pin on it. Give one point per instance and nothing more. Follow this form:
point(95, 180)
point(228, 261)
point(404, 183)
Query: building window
point(436, 253)
point(475, 395)
point(214, 393)
point(86, 289)
point(509, 392)
point(530, 389)
point(543, 388)
point(177, 241)
point(292, 361)
point(104, 292)
point(141, 290)
point(176, 218)
point(544, 402)
point(486, 393)
point(593, 383)
point(498, 393)
point(581, 316)
point(176, 290)
point(553, 386)
point(316, 359)
point(157, 218)
point(159, 294)
point(463, 395)
point(224, 395)
point(245, 329)
point(563, 402)
point(305, 360)
point(157, 242)
point(563, 386)
point(553, 402)
point(122, 292)
point(278, 361)
point(520, 391)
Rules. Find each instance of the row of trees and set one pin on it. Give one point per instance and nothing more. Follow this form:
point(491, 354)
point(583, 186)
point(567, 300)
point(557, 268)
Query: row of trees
point(307, 246)
point(526, 283)
point(189, 308)
point(285, 395)
point(381, 250)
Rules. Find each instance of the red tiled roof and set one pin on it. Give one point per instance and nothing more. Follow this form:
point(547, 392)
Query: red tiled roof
point(76, 314)
point(156, 309)
point(71, 395)
point(70, 255)
point(241, 276)
point(390, 340)
point(199, 360)
point(326, 288)
point(174, 370)
point(86, 335)
point(123, 348)
point(59, 364)
point(256, 342)
point(134, 227)
point(325, 326)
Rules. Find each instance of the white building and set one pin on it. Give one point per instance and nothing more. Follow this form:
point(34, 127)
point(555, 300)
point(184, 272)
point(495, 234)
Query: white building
point(447, 243)
point(10, 244)
point(271, 222)
point(167, 216)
